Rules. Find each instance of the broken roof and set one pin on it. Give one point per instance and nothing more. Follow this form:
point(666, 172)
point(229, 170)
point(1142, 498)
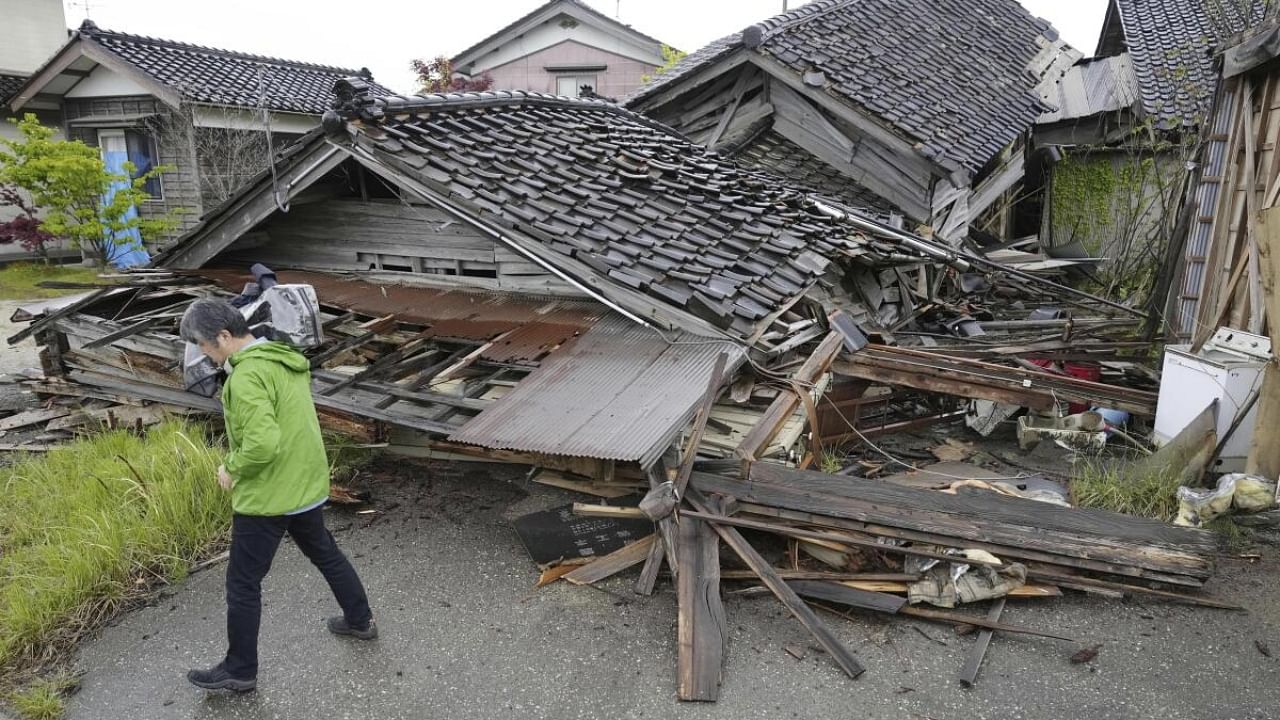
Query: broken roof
point(622, 204)
point(1171, 42)
point(960, 80)
point(770, 151)
point(195, 73)
point(620, 391)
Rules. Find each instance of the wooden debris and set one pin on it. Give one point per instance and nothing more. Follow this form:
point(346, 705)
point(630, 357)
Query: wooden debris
point(613, 511)
point(611, 564)
point(1085, 655)
point(969, 673)
point(33, 417)
point(701, 632)
point(838, 652)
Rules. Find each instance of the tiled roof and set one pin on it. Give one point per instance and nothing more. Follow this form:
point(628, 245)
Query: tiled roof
point(9, 85)
point(627, 197)
point(578, 4)
point(1171, 42)
point(954, 76)
point(777, 155)
point(223, 77)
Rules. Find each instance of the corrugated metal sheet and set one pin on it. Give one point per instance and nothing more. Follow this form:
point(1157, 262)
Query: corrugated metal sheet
point(618, 392)
point(1098, 85)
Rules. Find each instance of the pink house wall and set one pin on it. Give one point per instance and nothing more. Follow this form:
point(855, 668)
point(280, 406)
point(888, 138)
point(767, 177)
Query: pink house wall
point(528, 73)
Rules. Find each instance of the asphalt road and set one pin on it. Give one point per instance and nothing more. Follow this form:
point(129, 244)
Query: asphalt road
point(465, 635)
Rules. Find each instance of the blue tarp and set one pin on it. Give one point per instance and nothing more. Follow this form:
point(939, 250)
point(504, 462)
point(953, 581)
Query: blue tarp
point(127, 250)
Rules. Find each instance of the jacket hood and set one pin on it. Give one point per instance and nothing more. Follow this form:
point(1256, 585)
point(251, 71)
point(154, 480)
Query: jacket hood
point(276, 352)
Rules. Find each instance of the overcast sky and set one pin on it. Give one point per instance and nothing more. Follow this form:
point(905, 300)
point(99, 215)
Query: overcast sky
point(386, 35)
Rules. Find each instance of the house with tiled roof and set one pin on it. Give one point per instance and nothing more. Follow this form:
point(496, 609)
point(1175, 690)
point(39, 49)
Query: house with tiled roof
point(908, 105)
point(564, 47)
point(211, 115)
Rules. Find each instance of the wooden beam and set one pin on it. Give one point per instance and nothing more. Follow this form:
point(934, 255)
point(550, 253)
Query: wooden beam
point(649, 573)
point(607, 511)
point(969, 673)
point(788, 597)
point(782, 407)
point(739, 89)
point(700, 423)
point(701, 632)
point(613, 563)
point(1264, 451)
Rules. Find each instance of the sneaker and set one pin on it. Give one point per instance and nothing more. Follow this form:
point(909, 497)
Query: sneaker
point(217, 678)
point(338, 626)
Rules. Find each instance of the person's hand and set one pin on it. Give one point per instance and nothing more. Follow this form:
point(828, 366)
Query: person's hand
point(224, 479)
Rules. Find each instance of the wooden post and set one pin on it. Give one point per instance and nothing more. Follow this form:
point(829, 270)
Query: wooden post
point(701, 628)
point(1264, 455)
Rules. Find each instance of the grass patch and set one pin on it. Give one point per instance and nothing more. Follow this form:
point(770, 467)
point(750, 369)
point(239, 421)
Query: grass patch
point(89, 528)
point(21, 281)
point(347, 456)
point(1111, 485)
point(43, 699)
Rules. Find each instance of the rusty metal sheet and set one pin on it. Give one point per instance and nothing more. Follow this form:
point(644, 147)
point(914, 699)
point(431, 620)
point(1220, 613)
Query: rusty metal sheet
point(536, 323)
point(617, 392)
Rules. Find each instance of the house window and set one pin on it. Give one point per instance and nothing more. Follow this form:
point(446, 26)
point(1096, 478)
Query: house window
point(138, 148)
point(571, 85)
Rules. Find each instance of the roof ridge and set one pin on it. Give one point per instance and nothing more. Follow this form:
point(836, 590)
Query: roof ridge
point(356, 100)
point(90, 30)
point(775, 25)
point(542, 8)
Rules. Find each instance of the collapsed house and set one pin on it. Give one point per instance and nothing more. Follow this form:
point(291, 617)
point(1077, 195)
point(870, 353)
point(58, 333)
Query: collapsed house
point(900, 108)
point(568, 284)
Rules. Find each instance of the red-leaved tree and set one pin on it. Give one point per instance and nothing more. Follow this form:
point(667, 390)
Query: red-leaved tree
point(437, 77)
point(25, 228)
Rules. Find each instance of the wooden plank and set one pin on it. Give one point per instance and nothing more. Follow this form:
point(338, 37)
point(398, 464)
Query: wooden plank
point(608, 511)
point(613, 563)
point(1019, 553)
point(33, 417)
point(782, 407)
point(700, 423)
point(788, 597)
point(843, 539)
point(969, 673)
point(988, 508)
point(701, 632)
point(881, 602)
point(922, 381)
point(1067, 533)
point(739, 88)
point(1264, 450)
point(649, 573)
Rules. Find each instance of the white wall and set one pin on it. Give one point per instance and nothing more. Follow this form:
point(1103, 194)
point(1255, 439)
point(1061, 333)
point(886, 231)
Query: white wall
point(551, 33)
point(103, 82)
point(33, 30)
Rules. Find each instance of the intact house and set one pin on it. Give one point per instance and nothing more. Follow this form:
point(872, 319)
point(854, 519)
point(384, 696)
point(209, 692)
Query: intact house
point(564, 47)
point(33, 30)
point(203, 112)
point(901, 108)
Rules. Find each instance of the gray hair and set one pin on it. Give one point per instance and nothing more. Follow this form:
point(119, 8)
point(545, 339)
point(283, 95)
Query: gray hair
point(206, 318)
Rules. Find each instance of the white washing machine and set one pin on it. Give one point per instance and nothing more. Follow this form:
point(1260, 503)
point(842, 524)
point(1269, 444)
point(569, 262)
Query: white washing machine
point(1227, 369)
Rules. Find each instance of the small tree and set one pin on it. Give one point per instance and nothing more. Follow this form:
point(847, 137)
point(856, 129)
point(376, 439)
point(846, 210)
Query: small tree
point(670, 56)
point(25, 228)
point(81, 199)
point(437, 77)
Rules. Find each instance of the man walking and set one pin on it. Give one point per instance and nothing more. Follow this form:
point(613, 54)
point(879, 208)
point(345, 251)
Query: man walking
point(278, 476)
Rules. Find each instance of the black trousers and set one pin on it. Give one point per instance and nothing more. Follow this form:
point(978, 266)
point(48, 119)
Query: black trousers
point(254, 540)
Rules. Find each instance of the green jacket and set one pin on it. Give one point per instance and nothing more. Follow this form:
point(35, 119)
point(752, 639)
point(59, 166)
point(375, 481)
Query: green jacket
point(277, 457)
